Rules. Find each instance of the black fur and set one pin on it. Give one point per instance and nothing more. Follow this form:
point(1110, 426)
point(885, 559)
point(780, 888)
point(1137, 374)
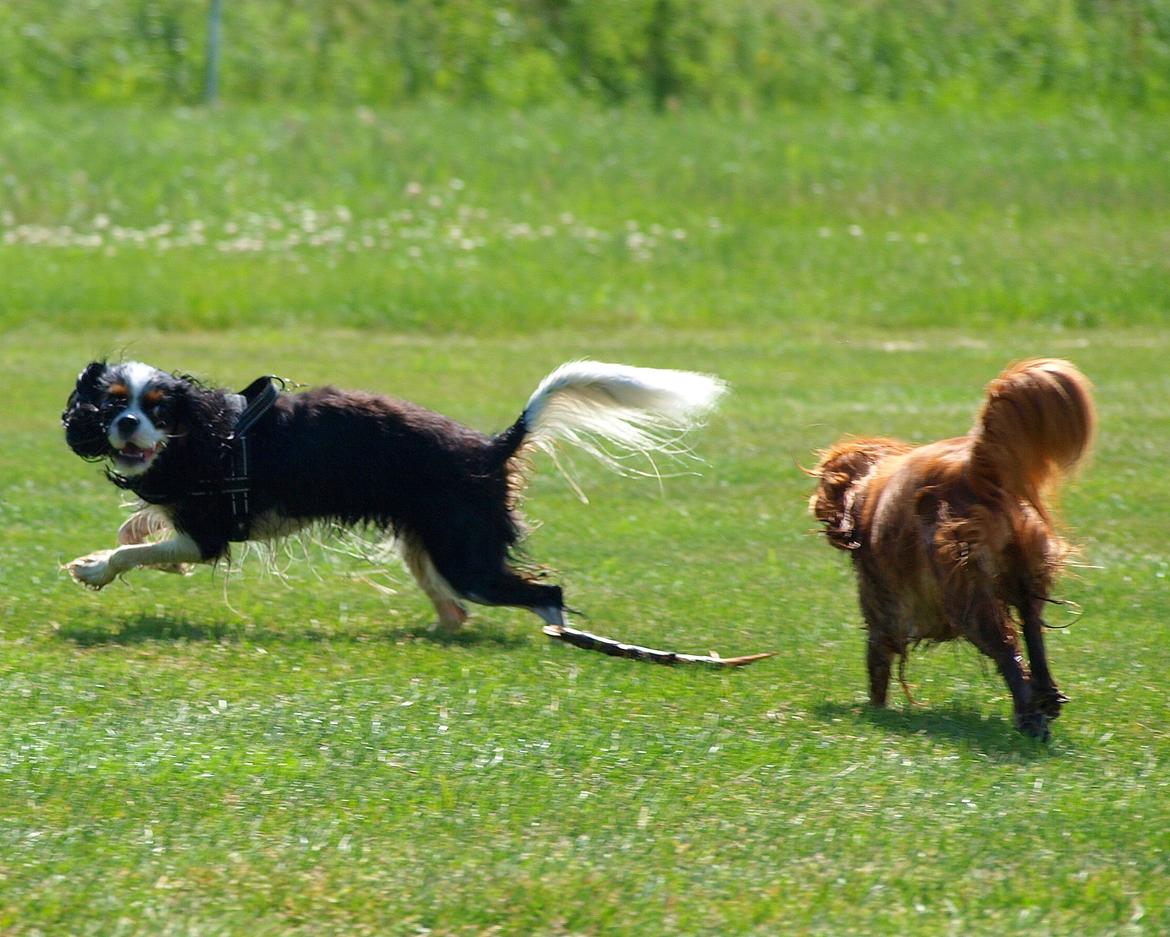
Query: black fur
point(347, 457)
point(85, 430)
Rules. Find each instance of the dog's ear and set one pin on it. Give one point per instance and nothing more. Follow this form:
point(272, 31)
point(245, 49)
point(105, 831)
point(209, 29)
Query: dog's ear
point(82, 418)
point(88, 385)
point(195, 413)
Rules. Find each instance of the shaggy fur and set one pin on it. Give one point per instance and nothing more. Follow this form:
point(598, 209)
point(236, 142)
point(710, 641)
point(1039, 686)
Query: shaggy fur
point(948, 538)
point(447, 493)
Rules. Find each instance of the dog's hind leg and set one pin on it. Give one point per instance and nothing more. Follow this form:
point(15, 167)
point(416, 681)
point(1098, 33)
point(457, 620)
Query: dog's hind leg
point(1046, 696)
point(995, 635)
point(452, 613)
point(506, 587)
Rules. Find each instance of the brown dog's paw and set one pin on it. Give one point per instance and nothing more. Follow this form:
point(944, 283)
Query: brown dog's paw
point(1034, 725)
point(1049, 702)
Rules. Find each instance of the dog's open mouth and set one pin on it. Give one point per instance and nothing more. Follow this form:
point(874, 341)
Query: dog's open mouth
point(132, 456)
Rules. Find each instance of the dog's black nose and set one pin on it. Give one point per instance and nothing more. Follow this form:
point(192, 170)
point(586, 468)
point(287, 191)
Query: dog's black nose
point(126, 424)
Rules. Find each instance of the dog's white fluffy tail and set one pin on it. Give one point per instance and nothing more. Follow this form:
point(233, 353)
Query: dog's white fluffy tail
point(614, 411)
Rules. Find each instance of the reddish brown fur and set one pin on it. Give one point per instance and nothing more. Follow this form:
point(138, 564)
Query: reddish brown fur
point(948, 538)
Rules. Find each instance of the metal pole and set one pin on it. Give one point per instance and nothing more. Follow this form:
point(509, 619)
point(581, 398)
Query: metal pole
point(211, 88)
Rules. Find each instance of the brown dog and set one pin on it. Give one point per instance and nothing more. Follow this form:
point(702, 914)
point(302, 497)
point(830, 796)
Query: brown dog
point(949, 537)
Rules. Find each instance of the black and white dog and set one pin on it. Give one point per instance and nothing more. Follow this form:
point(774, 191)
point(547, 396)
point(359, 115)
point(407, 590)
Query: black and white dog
point(211, 467)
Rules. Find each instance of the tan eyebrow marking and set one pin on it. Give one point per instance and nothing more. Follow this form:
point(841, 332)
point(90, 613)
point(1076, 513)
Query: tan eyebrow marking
point(118, 390)
point(153, 396)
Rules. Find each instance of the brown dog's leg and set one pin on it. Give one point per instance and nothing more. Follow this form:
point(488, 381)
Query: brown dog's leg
point(878, 658)
point(996, 638)
point(1047, 697)
point(881, 629)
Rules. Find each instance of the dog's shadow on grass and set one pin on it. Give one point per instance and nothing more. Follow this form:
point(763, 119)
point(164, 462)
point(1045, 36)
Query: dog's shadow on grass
point(143, 629)
point(962, 726)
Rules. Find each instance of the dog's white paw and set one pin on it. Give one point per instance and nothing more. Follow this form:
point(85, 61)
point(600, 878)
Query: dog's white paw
point(93, 570)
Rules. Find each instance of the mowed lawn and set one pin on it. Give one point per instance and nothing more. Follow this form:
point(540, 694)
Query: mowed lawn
point(288, 748)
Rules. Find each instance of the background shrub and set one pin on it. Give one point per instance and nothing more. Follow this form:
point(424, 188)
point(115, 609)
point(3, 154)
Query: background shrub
point(722, 53)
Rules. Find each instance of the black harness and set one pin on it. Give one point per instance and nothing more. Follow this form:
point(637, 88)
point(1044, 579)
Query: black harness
point(250, 404)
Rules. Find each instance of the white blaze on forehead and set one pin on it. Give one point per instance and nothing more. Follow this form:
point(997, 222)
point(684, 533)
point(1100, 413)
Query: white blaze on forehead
point(138, 376)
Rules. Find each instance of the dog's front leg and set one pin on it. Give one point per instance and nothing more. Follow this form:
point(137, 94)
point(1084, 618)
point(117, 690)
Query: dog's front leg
point(878, 659)
point(883, 637)
point(140, 527)
point(101, 568)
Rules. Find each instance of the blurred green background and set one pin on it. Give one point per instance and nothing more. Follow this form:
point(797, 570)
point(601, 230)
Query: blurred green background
point(723, 53)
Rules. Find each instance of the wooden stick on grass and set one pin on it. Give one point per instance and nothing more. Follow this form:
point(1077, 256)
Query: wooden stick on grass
point(593, 642)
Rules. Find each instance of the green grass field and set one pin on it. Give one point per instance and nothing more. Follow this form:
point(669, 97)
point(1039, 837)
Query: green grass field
point(294, 751)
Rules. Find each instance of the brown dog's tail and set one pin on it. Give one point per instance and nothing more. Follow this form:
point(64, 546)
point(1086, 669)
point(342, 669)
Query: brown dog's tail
point(1035, 427)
